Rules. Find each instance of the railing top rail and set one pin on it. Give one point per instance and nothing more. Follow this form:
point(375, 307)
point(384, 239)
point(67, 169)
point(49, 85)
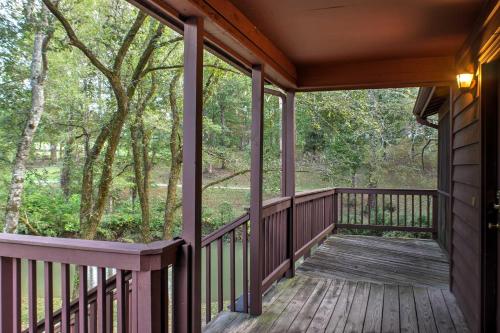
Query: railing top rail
point(386, 191)
point(89, 252)
point(310, 192)
point(274, 201)
point(224, 230)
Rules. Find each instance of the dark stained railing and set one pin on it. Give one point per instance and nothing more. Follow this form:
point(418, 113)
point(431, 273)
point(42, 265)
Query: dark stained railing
point(315, 218)
point(387, 209)
point(238, 227)
point(276, 223)
point(138, 290)
point(139, 275)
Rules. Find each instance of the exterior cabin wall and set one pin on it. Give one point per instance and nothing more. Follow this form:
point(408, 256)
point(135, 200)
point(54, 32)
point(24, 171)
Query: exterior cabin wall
point(466, 207)
point(444, 226)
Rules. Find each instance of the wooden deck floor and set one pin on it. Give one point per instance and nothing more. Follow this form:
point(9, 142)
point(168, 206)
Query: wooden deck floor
point(359, 284)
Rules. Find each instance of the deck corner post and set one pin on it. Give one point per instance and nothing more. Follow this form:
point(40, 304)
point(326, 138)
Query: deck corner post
point(288, 173)
point(147, 302)
point(256, 230)
point(434, 217)
point(6, 294)
point(335, 211)
point(181, 292)
point(192, 162)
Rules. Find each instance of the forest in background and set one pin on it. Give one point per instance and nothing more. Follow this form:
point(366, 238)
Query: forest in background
point(91, 128)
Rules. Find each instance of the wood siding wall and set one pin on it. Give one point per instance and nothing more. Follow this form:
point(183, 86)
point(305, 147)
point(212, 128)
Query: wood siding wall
point(466, 207)
point(444, 225)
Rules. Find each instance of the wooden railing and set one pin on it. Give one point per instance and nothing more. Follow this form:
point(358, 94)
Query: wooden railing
point(387, 209)
point(315, 219)
point(139, 276)
point(237, 228)
point(138, 291)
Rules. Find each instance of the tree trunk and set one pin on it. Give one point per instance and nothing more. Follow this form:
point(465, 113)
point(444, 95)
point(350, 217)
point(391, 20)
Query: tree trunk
point(175, 163)
point(53, 153)
point(142, 165)
point(67, 166)
point(38, 76)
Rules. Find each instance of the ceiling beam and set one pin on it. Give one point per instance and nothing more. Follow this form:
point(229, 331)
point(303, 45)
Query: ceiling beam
point(393, 73)
point(231, 31)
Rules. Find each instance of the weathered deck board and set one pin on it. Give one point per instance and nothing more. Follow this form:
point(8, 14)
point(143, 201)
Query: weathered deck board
point(359, 284)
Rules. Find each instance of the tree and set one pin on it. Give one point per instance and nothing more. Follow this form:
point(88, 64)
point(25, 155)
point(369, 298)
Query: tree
point(123, 85)
point(42, 34)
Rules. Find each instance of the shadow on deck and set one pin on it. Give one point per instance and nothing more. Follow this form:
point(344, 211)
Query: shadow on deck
point(359, 284)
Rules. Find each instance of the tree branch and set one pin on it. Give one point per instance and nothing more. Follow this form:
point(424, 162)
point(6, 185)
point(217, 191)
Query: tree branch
point(75, 41)
point(127, 41)
point(143, 61)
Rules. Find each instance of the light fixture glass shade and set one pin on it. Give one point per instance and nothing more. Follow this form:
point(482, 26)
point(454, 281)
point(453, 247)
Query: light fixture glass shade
point(464, 80)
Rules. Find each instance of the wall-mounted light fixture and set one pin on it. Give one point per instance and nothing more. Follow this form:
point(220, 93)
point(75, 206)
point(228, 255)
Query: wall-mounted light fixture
point(465, 80)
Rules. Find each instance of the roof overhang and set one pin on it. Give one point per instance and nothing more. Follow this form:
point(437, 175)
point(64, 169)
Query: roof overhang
point(234, 31)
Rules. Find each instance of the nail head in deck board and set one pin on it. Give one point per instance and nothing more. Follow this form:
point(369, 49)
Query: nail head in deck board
point(390, 312)
point(306, 314)
point(357, 312)
point(440, 310)
point(339, 316)
point(373, 317)
point(407, 312)
point(425, 316)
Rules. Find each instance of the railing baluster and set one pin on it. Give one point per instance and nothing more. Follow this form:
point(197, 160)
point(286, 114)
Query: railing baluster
point(17, 296)
point(208, 281)
point(83, 299)
point(420, 211)
point(362, 208)
point(355, 207)
point(220, 289)
point(348, 208)
point(65, 297)
point(48, 297)
point(32, 296)
point(6, 294)
point(341, 207)
point(390, 208)
point(370, 198)
point(165, 302)
point(232, 268)
point(383, 209)
point(109, 312)
point(93, 317)
point(412, 210)
point(101, 299)
point(121, 306)
point(76, 323)
point(428, 211)
point(397, 209)
point(245, 266)
point(406, 211)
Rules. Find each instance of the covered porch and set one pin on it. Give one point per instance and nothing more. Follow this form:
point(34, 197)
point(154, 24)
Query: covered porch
point(359, 284)
point(347, 283)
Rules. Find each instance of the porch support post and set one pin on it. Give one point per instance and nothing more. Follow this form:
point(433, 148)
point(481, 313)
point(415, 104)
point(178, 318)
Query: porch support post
point(256, 230)
point(288, 172)
point(192, 163)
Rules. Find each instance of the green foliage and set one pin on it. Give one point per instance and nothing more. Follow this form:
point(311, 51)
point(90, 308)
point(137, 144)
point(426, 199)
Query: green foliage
point(344, 138)
point(48, 212)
